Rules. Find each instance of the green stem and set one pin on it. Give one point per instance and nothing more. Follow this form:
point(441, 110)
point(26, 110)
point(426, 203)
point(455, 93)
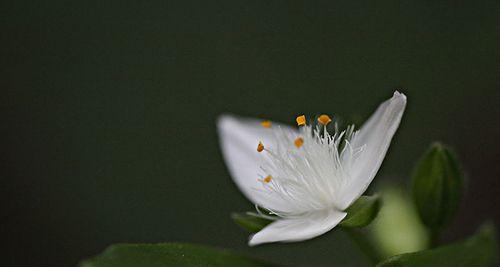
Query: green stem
point(364, 244)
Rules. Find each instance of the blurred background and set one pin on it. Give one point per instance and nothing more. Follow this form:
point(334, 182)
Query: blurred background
point(108, 112)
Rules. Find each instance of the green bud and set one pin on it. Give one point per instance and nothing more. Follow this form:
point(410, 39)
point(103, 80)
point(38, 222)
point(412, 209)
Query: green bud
point(437, 187)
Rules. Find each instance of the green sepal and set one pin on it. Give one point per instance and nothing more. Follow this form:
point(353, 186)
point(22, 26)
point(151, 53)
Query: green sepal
point(362, 212)
point(250, 221)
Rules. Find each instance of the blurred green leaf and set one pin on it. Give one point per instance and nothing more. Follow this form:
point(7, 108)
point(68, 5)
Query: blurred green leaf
point(480, 250)
point(169, 254)
point(362, 212)
point(437, 187)
point(250, 221)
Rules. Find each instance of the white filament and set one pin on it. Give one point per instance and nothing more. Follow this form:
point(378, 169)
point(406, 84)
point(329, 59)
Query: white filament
point(309, 177)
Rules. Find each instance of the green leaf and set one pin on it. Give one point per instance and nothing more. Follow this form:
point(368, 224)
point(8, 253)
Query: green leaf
point(250, 221)
point(480, 250)
point(362, 212)
point(437, 187)
point(169, 254)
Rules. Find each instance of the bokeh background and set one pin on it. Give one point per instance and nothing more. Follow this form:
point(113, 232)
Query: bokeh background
point(108, 111)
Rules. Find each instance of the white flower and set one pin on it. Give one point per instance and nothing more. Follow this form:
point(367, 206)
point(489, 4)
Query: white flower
point(307, 176)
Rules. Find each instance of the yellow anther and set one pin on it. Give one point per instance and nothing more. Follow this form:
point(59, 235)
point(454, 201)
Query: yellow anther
point(324, 119)
point(268, 179)
point(301, 120)
point(260, 147)
point(299, 142)
point(266, 124)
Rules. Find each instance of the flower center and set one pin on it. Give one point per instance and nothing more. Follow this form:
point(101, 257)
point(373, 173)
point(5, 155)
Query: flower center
point(307, 168)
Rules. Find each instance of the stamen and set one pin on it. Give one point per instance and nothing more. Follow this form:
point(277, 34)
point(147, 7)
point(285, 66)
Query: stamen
point(266, 124)
point(308, 178)
point(324, 119)
point(299, 142)
point(260, 147)
point(301, 120)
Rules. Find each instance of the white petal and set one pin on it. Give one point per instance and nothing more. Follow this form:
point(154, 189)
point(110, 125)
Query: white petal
point(239, 139)
point(289, 230)
point(375, 136)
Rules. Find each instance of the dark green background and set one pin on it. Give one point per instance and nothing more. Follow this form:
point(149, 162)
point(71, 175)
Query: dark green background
point(107, 111)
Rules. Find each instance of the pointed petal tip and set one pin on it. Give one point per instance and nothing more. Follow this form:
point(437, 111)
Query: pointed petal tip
point(398, 100)
point(399, 95)
point(259, 239)
point(252, 242)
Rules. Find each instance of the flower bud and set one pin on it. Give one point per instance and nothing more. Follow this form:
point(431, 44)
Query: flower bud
point(437, 187)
